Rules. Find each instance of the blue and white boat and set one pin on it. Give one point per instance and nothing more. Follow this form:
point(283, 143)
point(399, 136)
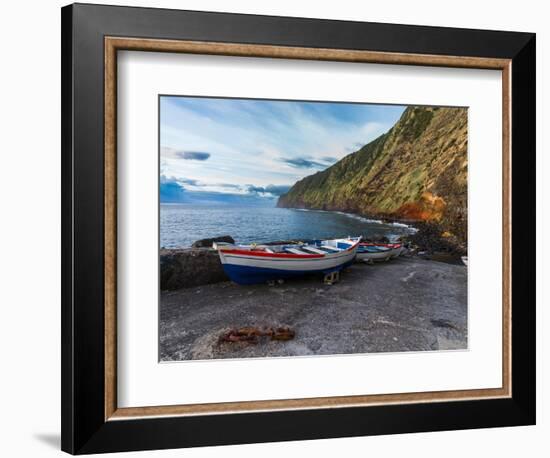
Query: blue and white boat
point(371, 252)
point(249, 264)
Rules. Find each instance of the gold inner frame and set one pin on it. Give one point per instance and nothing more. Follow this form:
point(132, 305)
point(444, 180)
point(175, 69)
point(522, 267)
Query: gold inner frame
point(114, 44)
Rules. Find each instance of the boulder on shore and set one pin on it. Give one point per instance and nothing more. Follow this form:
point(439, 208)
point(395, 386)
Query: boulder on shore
point(207, 243)
point(188, 267)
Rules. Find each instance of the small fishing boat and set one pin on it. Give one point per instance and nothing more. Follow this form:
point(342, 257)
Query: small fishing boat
point(249, 264)
point(395, 249)
point(367, 252)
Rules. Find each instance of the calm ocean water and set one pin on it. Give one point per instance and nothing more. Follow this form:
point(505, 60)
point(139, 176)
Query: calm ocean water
point(182, 224)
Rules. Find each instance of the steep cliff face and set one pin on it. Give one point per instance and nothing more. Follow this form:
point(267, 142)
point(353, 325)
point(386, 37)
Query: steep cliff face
point(416, 171)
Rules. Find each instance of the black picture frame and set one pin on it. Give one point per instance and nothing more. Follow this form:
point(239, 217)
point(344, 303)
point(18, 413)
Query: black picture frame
point(84, 428)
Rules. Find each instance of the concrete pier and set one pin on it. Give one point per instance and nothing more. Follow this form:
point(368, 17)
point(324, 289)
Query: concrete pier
point(406, 304)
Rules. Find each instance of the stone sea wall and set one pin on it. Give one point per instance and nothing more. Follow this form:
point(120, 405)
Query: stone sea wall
point(188, 267)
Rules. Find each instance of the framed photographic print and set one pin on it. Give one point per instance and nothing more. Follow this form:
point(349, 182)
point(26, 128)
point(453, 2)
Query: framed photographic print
point(274, 221)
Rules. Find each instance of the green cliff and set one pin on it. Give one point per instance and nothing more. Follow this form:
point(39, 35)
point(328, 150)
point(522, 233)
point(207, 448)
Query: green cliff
point(417, 171)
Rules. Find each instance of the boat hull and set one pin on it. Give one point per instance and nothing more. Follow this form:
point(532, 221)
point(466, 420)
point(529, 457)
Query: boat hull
point(247, 275)
point(249, 268)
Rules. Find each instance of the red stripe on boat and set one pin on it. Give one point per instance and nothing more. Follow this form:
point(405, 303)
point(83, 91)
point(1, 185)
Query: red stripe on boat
point(272, 255)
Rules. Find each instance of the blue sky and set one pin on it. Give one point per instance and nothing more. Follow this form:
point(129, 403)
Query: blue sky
point(258, 147)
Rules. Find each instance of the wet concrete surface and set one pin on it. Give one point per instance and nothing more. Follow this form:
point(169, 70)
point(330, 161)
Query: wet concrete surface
point(406, 304)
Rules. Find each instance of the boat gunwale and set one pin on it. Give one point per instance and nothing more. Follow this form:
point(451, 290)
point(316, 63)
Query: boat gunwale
point(255, 254)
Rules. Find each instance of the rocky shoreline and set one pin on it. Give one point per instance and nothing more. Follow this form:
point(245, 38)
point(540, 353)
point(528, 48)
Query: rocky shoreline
point(434, 243)
point(429, 237)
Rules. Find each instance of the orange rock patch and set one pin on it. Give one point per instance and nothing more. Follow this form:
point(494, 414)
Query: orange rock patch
point(430, 207)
